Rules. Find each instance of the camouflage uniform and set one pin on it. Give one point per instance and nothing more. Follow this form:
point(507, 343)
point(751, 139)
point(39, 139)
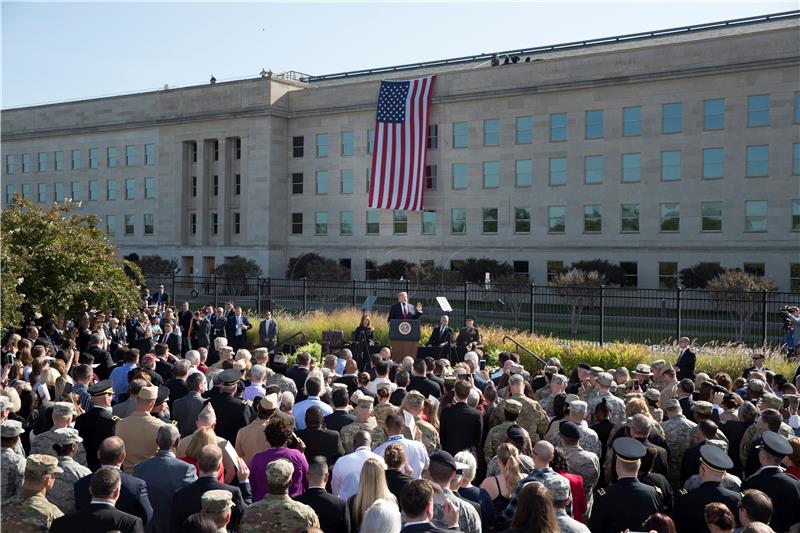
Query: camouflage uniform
point(677, 433)
point(382, 411)
point(28, 512)
point(497, 436)
point(62, 495)
point(430, 437)
point(468, 518)
point(532, 418)
point(278, 513)
point(547, 404)
point(542, 393)
point(43, 445)
point(349, 431)
point(620, 391)
point(616, 407)
point(283, 382)
point(584, 463)
point(12, 467)
point(720, 437)
point(526, 466)
point(589, 440)
point(754, 432)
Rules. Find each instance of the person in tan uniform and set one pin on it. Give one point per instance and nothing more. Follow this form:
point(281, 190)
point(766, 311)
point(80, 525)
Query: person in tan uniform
point(251, 440)
point(139, 429)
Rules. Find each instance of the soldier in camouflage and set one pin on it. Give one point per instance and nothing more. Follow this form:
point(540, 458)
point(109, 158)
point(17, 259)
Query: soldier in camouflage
point(557, 385)
point(582, 462)
point(277, 511)
point(657, 367)
point(42, 444)
point(652, 396)
point(29, 511)
point(384, 408)
point(703, 411)
point(616, 407)
point(678, 434)
point(414, 403)
point(588, 437)
point(12, 465)
point(544, 391)
point(620, 386)
point(365, 422)
point(442, 471)
point(532, 417)
point(497, 435)
point(216, 505)
point(62, 494)
point(759, 426)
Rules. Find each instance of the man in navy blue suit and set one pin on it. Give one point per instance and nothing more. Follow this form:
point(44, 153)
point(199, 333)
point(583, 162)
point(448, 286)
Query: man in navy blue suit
point(416, 500)
point(403, 309)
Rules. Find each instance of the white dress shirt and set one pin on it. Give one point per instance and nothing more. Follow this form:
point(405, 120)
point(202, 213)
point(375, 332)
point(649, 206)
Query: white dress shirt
point(416, 454)
point(347, 471)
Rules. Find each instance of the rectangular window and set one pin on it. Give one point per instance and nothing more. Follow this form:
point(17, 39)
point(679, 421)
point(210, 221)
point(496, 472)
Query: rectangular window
point(671, 118)
point(631, 121)
point(150, 152)
point(237, 223)
point(237, 184)
point(758, 110)
point(554, 268)
point(592, 219)
point(42, 162)
point(237, 148)
point(594, 124)
point(129, 225)
point(711, 216)
point(755, 269)
point(194, 185)
point(755, 215)
point(59, 159)
point(670, 217)
point(297, 223)
point(9, 193)
point(400, 222)
point(194, 151)
point(112, 156)
point(796, 109)
point(460, 134)
point(59, 196)
point(489, 219)
point(149, 224)
point(322, 182)
point(458, 220)
point(667, 275)
point(345, 222)
point(794, 277)
point(491, 132)
point(629, 218)
point(76, 160)
point(593, 169)
point(41, 193)
point(215, 149)
point(521, 269)
point(522, 220)
point(460, 176)
point(215, 185)
point(369, 179)
point(524, 130)
point(556, 219)
point(431, 175)
point(111, 225)
point(214, 223)
point(322, 145)
point(714, 114)
point(130, 189)
point(10, 162)
point(558, 171)
point(370, 141)
point(757, 161)
point(631, 168)
point(75, 191)
point(795, 215)
point(297, 183)
point(491, 174)
point(671, 165)
point(433, 136)
point(558, 127)
point(373, 222)
point(111, 189)
point(630, 273)
point(713, 163)
point(348, 143)
point(130, 155)
point(149, 188)
point(523, 173)
point(321, 223)
point(94, 157)
point(429, 222)
point(346, 181)
point(26, 191)
point(796, 159)
point(298, 144)
point(26, 163)
point(193, 223)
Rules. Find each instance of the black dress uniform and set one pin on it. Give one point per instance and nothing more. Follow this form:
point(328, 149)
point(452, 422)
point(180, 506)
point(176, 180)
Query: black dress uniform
point(163, 396)
point(628, 502)
point(690, 506)
point(467, 336)
point(232, 413)
point(96, 424)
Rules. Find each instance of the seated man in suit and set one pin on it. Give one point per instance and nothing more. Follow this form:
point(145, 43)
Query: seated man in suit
point(416, 501)
point(332, 511)
point(442, 335)
point(403, 309)
point(101, 515)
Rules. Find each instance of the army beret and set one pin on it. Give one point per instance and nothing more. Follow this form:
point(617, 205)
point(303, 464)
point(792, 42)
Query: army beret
point(771, 401)
point(628, 449)
point(703, 408)
point(163, 395)
point(605, 379)
point(715, 458)
point(569, 429)
point(270, 401)
point(229, 377)
point(279, 472)
point(62, 409)
point(512, 406)
point(280, 358)
point(755, 385)
point(558, 488)
point(148, 393)
point(65, 436)
point(42, 464)
point(516, 434)
point(101, 388)
point(216, 501)
point(365, 402)
point(775, 444)
point(652, 394)
point(558, 379)
point(11, 428)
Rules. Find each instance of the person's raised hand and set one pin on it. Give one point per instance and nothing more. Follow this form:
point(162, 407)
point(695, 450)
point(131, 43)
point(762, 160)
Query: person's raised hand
point(242, 471)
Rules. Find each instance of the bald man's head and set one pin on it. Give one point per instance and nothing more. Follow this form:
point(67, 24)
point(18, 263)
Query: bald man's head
point(111, 451)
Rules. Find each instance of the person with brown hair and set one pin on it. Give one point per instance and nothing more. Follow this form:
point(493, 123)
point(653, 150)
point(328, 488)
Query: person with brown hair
point(501, 487)
point(461, 425)
point(660, 523)
point(535, 512)
point(719, 518)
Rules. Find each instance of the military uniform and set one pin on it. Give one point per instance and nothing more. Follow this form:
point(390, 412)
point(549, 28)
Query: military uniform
point(468, 336)
point(616, 407)
point(349, 431)
point(283, 382)
point(497, 436)
point(251, 440)
point(94, 426)
point(29, 511)
point(383, 411)
point(532, 417)
point(43, 445)
point(677, 431)
point(468, 517)
point(62, 495)
point(216, 502)
point(232, 413)
point(138, 431)
point(12, 467)
point(754, 432)
point(278, 512)
point(584, 463)
point(430, 437)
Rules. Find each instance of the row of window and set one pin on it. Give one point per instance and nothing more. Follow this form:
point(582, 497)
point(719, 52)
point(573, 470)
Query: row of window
point(148, 223)
point(236, 219)
point(237, 149)
point(216, 183)
point(711, 219)
point(59, 163)
point(46, 192)
point(672, 117)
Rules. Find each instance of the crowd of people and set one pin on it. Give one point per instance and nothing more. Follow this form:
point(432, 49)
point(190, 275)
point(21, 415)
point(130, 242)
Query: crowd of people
point(169, 421)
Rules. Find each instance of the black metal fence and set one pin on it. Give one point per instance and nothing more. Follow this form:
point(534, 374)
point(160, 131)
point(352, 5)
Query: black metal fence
point(595, 314)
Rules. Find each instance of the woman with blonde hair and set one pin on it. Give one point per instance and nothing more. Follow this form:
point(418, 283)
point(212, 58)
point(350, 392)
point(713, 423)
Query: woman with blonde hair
point(371, 487)
point(382, 516)
point(431, 413)
point(501, 487)
point(200, 438)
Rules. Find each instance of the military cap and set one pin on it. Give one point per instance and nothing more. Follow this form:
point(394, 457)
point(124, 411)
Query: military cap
point(414, 399)
point(148, 393)
point(512, 406)
point(470, 317)
point(558, 379)
point(755, 385)
point(208, 408)
point(652, 394)
point(42, 464)
point(771, 401)
point(757, 355)
point(229, 377)
point(516, 379)
point(336, 386)
point(715, 458)
point(569, 429)
point(357, 394)
point(6, 403)
point(450, 380)
point(280, 358)
point(365, 402)
point(216, 501)
point(65, 436)
point(703, 408)
point(516, 434)
point(270, 401)
point(571, 398)
point(578, 406)
point(775, 444)
point(163, 395)
point(63, 409)
point(605, 379)
point(443, 457)
point(628, 449)
point(279, 472)
point(101, 387)
point(557, 487)
point(658, 364)
point(11, 428)
point(672, 403)
point(584, 366)
point(642, 370)
point(596, 370)
point(383, 385)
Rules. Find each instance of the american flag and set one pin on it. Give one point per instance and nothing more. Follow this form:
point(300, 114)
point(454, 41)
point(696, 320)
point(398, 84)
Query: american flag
point(398, 158)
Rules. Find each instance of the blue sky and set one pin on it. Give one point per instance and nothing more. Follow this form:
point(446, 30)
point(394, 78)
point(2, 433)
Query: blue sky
point(65, 51)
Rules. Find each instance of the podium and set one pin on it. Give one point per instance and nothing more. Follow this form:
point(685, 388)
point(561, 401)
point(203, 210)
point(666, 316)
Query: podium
point(404, 338)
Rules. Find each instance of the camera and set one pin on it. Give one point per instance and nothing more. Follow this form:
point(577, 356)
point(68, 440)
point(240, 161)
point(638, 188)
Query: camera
point(482, 364)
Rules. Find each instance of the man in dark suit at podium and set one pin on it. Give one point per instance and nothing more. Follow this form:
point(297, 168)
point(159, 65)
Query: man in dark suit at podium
point(403, 310)
point(442, 335)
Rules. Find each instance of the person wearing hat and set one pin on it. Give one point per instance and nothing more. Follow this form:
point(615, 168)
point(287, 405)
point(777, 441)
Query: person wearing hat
point(559, 491)
point(770, 420)
point(160, 410)
point(616, 407)
point(63, 415)
point(364, 421)
point(686, 360)
point(469, 338)
point(413, 406)
point(532, 417)
point(280, 365)
point(250, 440)
point(217, 505)
point(577, 413)
point(442, 471)
point(583, 462)
point(642, 378)
point(758, 365)
point(498, 434)
point(652, 397)
point(139, 429)
point(62, 494)
point(690, 505)
point(677, 431)
point(12, 465)
point(96, 424)
point(277, 511)
point(627, 503)
point(782, 488)
point(232, 413)
point(29, 509)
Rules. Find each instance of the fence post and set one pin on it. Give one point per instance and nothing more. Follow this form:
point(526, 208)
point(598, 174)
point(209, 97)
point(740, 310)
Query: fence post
point(602, 313)
point(533, 293)
point(305, 295)
point(678, 318)
point(406, 285)
point(258, 295)
point(764, 319)
point(354, 293)
point(216, 293)
point(466, 300)
point(269, 294)
point(174, 294)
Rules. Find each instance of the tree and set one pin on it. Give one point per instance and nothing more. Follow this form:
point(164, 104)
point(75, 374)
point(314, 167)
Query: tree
point(741, 295)
point(394, 269)
point(697, 276)
point(614, 274)
point(474, 270)
point(56, 260)
point(314, 266)
point(155, 264)
point(579, 289)
point(239, 276)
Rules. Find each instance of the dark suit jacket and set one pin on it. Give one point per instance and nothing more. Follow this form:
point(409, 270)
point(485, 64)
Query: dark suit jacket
point(232, 415)
point(133, 497)
point(460, 428)
point(102, 358)
point(177, 389)
point(186, 502)
point(781, 488)
point(185, 411)
point(320, 441)
point(98, 518)
point(351, 381)
point(437, 337)
point(685, 364)
point(164, 475)
point(173, 342)
point(201, 334)
point(396, 481)
point(427, 528)
point(332, 511)
point(298, 375)
point(268, 333)
point(339, 419)
point(397, 396)
point(94, 426)
point(425, 386)
point(396, 312)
